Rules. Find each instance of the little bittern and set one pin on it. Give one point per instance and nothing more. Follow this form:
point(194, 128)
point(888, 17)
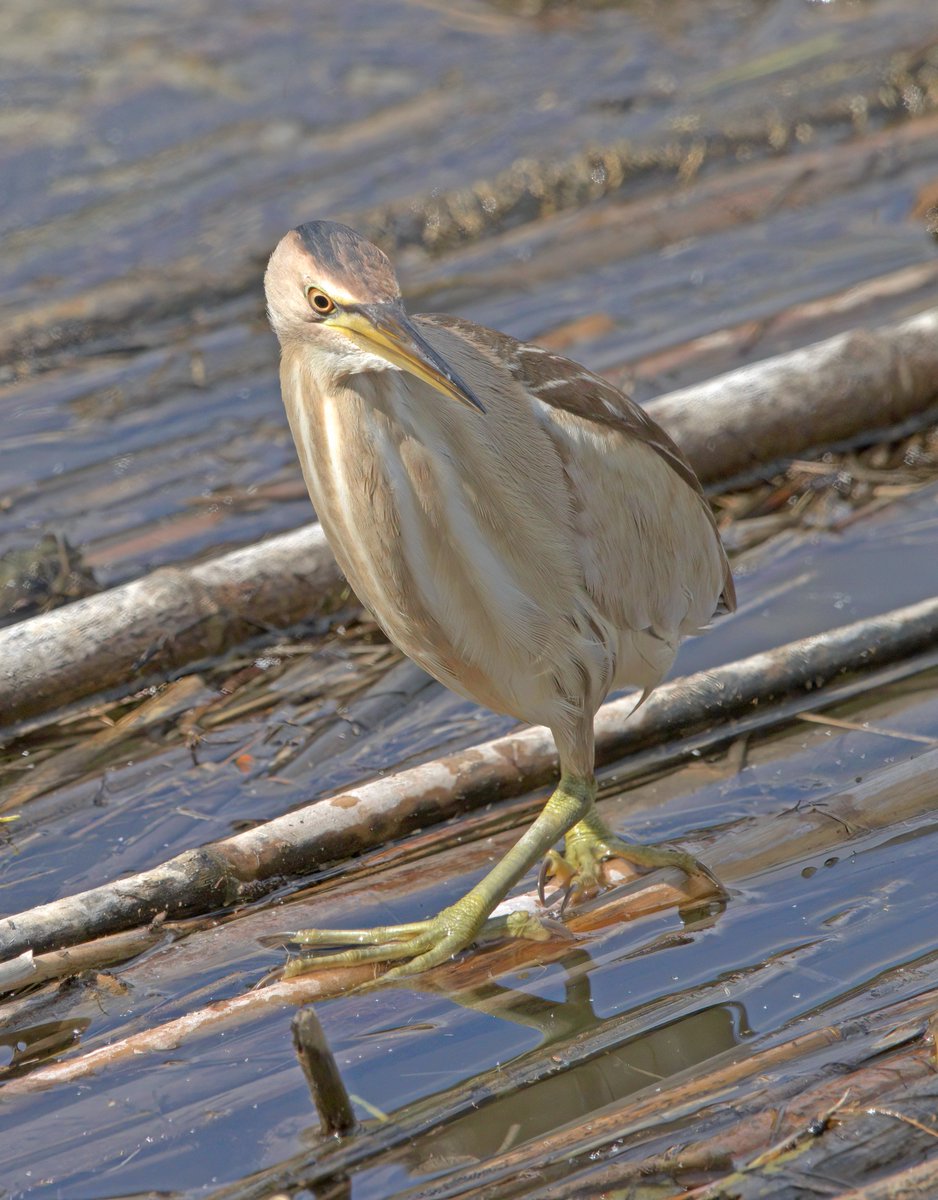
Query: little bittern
point(516, 525)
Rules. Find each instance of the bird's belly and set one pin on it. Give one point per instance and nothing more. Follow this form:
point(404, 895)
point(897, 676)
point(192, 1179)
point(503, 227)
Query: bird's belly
point(443, 584)
point(453, 630)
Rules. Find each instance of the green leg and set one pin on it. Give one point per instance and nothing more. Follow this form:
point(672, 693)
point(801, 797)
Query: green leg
point(591, 842)
point(422, 944)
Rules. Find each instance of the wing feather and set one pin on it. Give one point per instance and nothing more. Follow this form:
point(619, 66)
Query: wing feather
point(602, 437)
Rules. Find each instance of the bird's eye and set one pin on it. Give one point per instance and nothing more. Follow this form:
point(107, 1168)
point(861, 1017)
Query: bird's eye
point(319, 302)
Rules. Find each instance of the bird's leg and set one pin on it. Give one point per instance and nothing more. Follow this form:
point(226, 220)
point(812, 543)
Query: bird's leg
point(591, 842)
point(422, 944)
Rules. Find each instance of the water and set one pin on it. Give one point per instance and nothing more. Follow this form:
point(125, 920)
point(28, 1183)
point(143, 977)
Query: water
point(163, 153)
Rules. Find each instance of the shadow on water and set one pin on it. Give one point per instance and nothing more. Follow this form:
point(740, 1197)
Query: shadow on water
point(615, 1073)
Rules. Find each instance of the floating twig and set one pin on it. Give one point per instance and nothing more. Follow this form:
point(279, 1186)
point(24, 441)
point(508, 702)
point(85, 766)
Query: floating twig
point(336, 1115)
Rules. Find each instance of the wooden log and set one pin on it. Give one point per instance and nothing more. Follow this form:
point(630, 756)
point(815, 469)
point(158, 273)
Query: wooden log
point(165, 620)
point(819, 396)
point(836, 390)
point(889, 797)
point(254, 862)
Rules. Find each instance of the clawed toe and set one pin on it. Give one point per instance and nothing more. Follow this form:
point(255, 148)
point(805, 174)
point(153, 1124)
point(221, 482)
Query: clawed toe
point(650, 857)
point(572, 880)
point(584, 867)
point(425, 948)
point(407, 949)
point(410, 949)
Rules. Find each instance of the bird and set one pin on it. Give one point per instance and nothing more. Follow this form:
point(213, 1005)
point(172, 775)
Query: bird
point(516, 524)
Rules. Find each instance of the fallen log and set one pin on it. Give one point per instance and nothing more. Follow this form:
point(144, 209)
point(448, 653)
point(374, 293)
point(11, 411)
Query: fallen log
point(888, 798)
point(837, 390)
point(823, 395)
point(253, 863)
point(165, 620)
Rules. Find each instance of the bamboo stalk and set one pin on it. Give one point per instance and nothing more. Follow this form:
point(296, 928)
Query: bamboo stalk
point(254, 862)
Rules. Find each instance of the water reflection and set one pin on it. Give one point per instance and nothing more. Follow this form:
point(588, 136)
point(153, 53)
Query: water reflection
point(22, 1049)
point(586, 1088)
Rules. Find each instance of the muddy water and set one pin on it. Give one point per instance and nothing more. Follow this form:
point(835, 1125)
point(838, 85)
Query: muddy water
point(150, 158)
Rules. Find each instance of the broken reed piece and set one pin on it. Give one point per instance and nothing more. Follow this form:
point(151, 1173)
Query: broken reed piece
point(336, 1116)
point(839, 390)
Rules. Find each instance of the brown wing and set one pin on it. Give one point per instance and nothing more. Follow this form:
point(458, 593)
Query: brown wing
point(559, 383)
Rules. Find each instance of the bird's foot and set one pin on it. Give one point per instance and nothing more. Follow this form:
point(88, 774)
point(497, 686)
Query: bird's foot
point(414, 947)
point(422, 944)
point(590, 856)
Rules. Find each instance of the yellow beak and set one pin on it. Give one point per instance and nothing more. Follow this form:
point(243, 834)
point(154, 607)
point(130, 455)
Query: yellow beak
point(386, 330)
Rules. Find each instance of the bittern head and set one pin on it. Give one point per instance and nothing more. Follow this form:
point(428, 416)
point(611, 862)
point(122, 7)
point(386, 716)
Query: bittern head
point(336, 293)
